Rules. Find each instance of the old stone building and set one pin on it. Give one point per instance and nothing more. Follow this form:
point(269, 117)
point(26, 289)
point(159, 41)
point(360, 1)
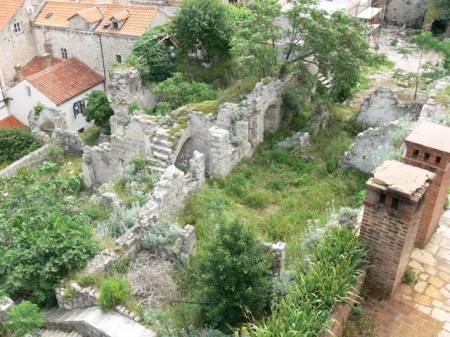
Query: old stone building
point(96, 34)
point(16, 40)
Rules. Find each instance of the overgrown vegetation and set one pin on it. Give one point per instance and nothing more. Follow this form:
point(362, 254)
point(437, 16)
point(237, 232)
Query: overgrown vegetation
point(332, 268)
point(15, 143)
point(43, 236)
point(24, 320)
point(114, 291)
point(98, 109)
point(91, 135)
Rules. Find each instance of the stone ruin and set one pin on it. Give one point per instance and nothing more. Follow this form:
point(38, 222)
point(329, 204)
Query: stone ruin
point(376, 144)
point(224, 139)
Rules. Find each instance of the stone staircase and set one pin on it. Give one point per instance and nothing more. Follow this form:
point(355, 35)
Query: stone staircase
point(92, 322)
point(162, 151)
point(59, 333)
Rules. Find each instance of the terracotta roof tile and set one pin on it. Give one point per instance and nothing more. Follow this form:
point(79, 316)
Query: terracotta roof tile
point(65, 80)
point(122, 15)
point(36, 65)
point(7, 10)
point(11, 122)
point(91, 14)
point(137, 23)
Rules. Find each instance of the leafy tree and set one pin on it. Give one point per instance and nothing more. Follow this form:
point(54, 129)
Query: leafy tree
point(15, 143)
point(234, 272)
point(153, 55)
point(254, 41)
point(177, 91)
point(203, 24)
point(42, 235)
point(98, 109)
point(24, 319)
point(333, 43)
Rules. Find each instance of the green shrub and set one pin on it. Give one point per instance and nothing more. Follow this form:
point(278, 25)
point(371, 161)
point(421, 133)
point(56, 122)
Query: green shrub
point(177, 91)
point(89, 279)
point(24, 319)
point(410, 277)
point(114, 291)
point(38, 108)
point(42, 235)
point(234, 273)
point(91, 135)
point(162, 233)
point(15, 143)
point(336, 261)
point(54, 153)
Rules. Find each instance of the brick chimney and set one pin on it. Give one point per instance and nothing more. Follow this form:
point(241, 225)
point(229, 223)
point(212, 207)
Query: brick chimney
point(428, 147)
point(47, 60)
point(392, 209)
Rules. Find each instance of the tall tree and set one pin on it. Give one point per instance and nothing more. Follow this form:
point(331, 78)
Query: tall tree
point(255, 39)
point(204, 25)
point(333, 43)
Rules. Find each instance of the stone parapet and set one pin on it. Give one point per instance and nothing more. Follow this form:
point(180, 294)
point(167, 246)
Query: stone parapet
point(30, 160)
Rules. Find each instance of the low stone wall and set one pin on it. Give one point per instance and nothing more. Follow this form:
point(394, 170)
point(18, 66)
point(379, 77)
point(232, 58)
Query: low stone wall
point(69, 141)
point(30, 160)
point(341, 311)
point(168, 197)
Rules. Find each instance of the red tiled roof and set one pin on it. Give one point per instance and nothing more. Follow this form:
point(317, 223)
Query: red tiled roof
point(65, 80)
point(36, 65)
point(11, 122)
point(7, 10)
point(57, 14)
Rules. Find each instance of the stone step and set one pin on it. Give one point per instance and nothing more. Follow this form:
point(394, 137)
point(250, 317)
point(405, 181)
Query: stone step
point(162, 134)
point(93, 322)
point(59, 333)
point(156, 168)
point(163, 142)
point(161, 156)
point(162, 149)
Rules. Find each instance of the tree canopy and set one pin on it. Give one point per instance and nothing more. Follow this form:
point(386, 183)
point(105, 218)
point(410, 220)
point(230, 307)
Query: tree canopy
point(203, 25)
point(98, 109)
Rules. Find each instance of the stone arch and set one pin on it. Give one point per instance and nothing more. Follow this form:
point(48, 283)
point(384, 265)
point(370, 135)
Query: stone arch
point(439, 27)
point(185, 154)
point(272, 118)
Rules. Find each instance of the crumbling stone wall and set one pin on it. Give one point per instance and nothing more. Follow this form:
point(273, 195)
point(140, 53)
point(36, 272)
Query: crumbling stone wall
point(380, 107)
point(224, 139)
point(32, 159)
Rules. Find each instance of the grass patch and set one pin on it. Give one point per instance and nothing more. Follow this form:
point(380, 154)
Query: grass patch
point(90, 136)
point(234, 94)
point(278, 192)
point(443, 97)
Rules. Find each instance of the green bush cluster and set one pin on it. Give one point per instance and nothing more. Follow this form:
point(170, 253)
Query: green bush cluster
point(15, 143)
point(43, 236)
point(337, 261)
point(24, 320)
point(91, 135)
point(114, 291)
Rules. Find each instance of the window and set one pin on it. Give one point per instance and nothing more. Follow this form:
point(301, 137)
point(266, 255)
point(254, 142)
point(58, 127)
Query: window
point(28, 91)
point(427, 156)
point(395, 203)
point(382, 199)
point(119, 58)
point(64, 53)
point(17, 27)
point(415, 153)
point(438, 159)
point(115, 25)
point(78, 108)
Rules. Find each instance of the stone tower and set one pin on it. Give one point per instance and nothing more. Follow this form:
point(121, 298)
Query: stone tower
point(392, 209)
point(428, 147)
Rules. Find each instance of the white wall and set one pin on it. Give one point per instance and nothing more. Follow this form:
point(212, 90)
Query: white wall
point(21, 104)
point(75, 124)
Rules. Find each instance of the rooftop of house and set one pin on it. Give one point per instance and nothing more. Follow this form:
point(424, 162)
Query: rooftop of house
point(402, 178)
point(431, 135)
point(8, 9)
point(11, 122)
point(138, 18)
point(65, 80)
point(36, 65)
